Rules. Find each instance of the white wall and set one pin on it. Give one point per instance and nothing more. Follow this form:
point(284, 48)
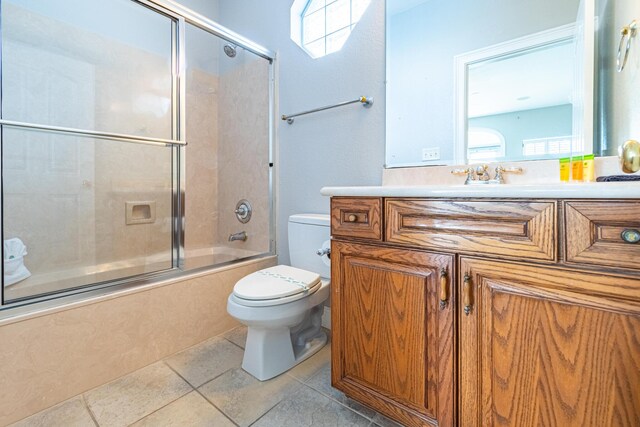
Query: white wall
point(337, 147)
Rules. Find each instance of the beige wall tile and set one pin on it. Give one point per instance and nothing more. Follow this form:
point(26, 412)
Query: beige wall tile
point(54, 357)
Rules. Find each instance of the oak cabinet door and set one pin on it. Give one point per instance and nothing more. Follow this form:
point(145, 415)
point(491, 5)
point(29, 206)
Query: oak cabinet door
point(393, 331)
point(546, 347)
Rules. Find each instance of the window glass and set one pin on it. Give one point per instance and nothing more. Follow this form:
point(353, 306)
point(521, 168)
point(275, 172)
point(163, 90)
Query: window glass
point(326, 25)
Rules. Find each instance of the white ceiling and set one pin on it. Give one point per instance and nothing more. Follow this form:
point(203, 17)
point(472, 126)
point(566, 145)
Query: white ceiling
point(537, 79)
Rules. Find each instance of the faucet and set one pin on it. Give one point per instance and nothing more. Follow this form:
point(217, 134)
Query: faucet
point(480, 175)
point(242, 235)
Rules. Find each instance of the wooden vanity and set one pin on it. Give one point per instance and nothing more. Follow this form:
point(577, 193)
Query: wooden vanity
point(488, 311)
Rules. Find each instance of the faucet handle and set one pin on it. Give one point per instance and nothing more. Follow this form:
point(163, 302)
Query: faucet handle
point(501, 169)
point(467, 171)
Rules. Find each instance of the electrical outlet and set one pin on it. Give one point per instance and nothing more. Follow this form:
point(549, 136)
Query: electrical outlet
point(429, 154)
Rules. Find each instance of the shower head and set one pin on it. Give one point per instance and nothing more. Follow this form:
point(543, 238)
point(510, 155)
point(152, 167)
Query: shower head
point(230, 50)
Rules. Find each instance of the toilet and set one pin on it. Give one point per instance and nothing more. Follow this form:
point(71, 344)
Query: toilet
point(282, 306)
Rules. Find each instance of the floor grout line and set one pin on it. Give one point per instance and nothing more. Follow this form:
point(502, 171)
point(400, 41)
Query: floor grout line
point(340, 403)
point(196, 389)
point(237, 345)
point(91, 414)
point(163, 406)
point(219, 409)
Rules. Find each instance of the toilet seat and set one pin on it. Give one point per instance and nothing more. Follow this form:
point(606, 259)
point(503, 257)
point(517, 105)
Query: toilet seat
point(275, 285)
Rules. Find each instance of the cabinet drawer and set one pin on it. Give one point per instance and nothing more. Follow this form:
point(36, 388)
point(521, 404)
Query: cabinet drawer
point(356, 217)
point(594, 233)
point(511, 229)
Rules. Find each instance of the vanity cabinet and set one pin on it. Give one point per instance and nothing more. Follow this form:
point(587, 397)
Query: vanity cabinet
point(490, 312)
point(393, 331)
point(547, 347)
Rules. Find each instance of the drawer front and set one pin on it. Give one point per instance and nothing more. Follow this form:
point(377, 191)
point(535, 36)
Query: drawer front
point(594, 233)
point(359, 217)
point(509, 229)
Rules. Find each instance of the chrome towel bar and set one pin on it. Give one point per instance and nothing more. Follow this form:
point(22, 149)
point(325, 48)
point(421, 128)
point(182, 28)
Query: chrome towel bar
point(364, 100)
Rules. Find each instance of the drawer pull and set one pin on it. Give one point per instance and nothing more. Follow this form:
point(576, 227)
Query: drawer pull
point(352, 218)
point(466, 294)
point(630, 236)
point(443, 288)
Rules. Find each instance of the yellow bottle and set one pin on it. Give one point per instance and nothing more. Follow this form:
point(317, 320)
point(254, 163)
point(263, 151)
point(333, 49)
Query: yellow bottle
point(565, 169)
point(576, 168)
point(588, 168)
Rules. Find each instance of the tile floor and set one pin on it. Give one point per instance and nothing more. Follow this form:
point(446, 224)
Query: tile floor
point(205, 386)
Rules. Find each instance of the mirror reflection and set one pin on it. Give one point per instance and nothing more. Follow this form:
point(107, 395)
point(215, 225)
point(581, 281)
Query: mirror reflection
point(519, 104)
point(476, 81)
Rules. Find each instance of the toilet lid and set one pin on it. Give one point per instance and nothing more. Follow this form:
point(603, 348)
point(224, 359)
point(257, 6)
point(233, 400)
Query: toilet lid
point(276, 282)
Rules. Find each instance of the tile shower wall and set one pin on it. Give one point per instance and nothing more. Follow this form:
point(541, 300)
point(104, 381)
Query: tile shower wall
point(201, 159)
point(244, 151)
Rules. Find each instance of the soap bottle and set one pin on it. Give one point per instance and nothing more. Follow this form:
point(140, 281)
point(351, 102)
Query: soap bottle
point(576, 168)
point(588, 168)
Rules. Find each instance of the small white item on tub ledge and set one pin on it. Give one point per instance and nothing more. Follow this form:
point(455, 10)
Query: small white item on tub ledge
point(14, 268)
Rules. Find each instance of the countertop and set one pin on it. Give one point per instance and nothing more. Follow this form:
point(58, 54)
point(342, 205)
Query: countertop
point(587, 190)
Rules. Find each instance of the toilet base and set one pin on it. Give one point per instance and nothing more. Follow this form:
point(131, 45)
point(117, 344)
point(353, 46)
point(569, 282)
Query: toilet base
point(271, 352)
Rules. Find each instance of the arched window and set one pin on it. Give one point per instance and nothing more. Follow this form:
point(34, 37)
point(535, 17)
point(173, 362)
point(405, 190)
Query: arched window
point(325, 25)
point(485, 144)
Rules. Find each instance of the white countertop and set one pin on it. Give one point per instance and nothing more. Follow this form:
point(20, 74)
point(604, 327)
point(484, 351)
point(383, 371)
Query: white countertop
point(587, 190)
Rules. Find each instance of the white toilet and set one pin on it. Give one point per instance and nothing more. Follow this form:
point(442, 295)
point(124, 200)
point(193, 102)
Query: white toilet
point(282, 305)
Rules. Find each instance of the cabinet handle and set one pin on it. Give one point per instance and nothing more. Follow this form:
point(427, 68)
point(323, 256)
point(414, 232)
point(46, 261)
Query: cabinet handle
point(466, 294)
point(630, 236)
point(352, 218)
point(443, 288)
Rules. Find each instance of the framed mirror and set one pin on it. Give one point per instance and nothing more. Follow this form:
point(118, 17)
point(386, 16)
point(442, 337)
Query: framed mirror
point(474, 81)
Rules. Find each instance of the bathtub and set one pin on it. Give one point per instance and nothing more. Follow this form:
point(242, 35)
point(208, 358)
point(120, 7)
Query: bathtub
point(43, 283)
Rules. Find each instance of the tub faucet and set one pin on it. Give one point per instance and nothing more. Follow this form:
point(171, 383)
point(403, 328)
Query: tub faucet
point(238, 236)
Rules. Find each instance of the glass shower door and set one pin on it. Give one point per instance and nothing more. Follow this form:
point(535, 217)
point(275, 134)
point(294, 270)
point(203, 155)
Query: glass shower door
point(87, 131)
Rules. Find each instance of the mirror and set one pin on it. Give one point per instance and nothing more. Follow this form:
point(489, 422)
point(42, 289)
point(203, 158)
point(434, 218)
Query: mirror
point(474, 81)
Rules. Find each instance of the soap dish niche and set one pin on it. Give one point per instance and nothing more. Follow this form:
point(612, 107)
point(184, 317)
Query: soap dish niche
point(140, 212)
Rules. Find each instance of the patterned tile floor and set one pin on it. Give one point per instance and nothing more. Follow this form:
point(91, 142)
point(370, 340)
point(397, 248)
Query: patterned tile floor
point(205, 386)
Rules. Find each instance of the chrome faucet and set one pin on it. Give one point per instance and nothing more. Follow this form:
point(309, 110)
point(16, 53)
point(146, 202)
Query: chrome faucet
point(242, 235)
point(481, 175)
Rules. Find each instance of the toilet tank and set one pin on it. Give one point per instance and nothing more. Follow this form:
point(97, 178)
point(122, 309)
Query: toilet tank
point(307, 234)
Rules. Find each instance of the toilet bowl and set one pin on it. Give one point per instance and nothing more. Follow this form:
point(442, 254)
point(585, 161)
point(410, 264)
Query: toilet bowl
point(282, 306)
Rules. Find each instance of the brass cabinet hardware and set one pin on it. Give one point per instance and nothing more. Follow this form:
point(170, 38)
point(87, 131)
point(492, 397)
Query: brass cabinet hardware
point(466, 294)
point(630, 235)
point(352, 218)
point(443, 288)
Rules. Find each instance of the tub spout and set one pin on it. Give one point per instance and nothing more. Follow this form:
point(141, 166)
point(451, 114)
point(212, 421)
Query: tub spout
point(238, 236)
